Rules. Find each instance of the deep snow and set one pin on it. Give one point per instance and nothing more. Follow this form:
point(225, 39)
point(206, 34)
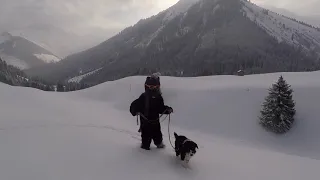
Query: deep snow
point(89, 134)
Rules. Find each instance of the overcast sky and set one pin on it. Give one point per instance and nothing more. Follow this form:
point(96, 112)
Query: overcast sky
point(81, 15)
point(300, 7)
point(78, 14)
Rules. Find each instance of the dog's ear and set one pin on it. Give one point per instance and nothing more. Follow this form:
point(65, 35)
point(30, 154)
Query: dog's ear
point(197, 146)
point(175, 134)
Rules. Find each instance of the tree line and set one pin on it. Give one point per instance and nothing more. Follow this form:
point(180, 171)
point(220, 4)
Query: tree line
point(15, 77)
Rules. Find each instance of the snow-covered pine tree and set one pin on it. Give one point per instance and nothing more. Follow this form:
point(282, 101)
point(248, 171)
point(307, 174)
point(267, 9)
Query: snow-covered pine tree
point(278, 110)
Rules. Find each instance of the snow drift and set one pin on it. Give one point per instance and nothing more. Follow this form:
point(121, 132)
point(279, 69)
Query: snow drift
point(90, 134)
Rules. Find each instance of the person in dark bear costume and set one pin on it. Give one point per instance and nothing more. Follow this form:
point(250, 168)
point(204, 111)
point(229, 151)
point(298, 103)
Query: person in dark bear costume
point(149, 105)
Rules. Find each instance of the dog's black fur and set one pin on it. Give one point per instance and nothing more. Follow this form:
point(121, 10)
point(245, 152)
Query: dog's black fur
point(184, 147)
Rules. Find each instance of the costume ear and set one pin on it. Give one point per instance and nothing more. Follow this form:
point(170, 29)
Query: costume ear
point(175, 135)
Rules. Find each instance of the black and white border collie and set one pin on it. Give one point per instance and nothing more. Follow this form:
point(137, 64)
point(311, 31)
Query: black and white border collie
point(185, 148)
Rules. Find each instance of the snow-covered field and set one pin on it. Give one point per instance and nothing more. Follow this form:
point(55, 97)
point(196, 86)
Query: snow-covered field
point(90, 134)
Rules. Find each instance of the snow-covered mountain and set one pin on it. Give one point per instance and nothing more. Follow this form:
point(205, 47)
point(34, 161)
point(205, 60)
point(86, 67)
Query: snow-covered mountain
point(57, 40)
point(284, 28)
point(198, 37)
point(179, 8)
point(313, 20)
point(58, 137)
point(23, 53)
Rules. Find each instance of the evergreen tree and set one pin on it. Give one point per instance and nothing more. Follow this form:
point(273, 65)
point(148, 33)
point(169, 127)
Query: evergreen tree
point(48, 88)
point(60, 87)
point(278, 110)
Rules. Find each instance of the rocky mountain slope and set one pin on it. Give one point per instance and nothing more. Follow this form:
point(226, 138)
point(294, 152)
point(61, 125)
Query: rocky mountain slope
point(197, 37)
point(23, 53)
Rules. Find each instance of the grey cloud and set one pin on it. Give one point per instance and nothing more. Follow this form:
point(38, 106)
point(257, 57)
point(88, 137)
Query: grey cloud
point(78, 15)
point(74, 14)
point(304, 8)
point(90, 22)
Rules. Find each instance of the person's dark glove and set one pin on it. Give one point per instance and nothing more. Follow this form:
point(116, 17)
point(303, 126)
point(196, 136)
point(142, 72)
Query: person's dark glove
point(135, 113)
point(169, 110)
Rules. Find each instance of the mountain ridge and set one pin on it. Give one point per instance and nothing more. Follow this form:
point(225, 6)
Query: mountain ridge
point(59, 41)
point(209, 37)
point(23, 53)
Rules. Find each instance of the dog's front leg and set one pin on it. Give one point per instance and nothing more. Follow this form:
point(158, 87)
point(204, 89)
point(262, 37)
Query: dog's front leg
point(187, 158)
point(185, 163)
point(183, 156)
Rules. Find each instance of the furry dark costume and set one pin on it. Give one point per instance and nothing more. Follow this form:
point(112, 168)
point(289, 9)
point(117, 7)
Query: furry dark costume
point(149, 105)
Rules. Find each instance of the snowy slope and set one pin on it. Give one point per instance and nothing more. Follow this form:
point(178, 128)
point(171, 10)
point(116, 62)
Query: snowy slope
point(220, 105)
point(30, 38)
point(283, 28)
point(77, 79)
point(89, 134)
point(23, 53)
point(180, 7)
point(59, 41)
point(48, 58)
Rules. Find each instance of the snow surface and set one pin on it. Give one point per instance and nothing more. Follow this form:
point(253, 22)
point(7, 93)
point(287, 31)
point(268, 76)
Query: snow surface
point(77, 79)
point(48, 58)
point(90, 134)
point(181, 7)
point(282, 28)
